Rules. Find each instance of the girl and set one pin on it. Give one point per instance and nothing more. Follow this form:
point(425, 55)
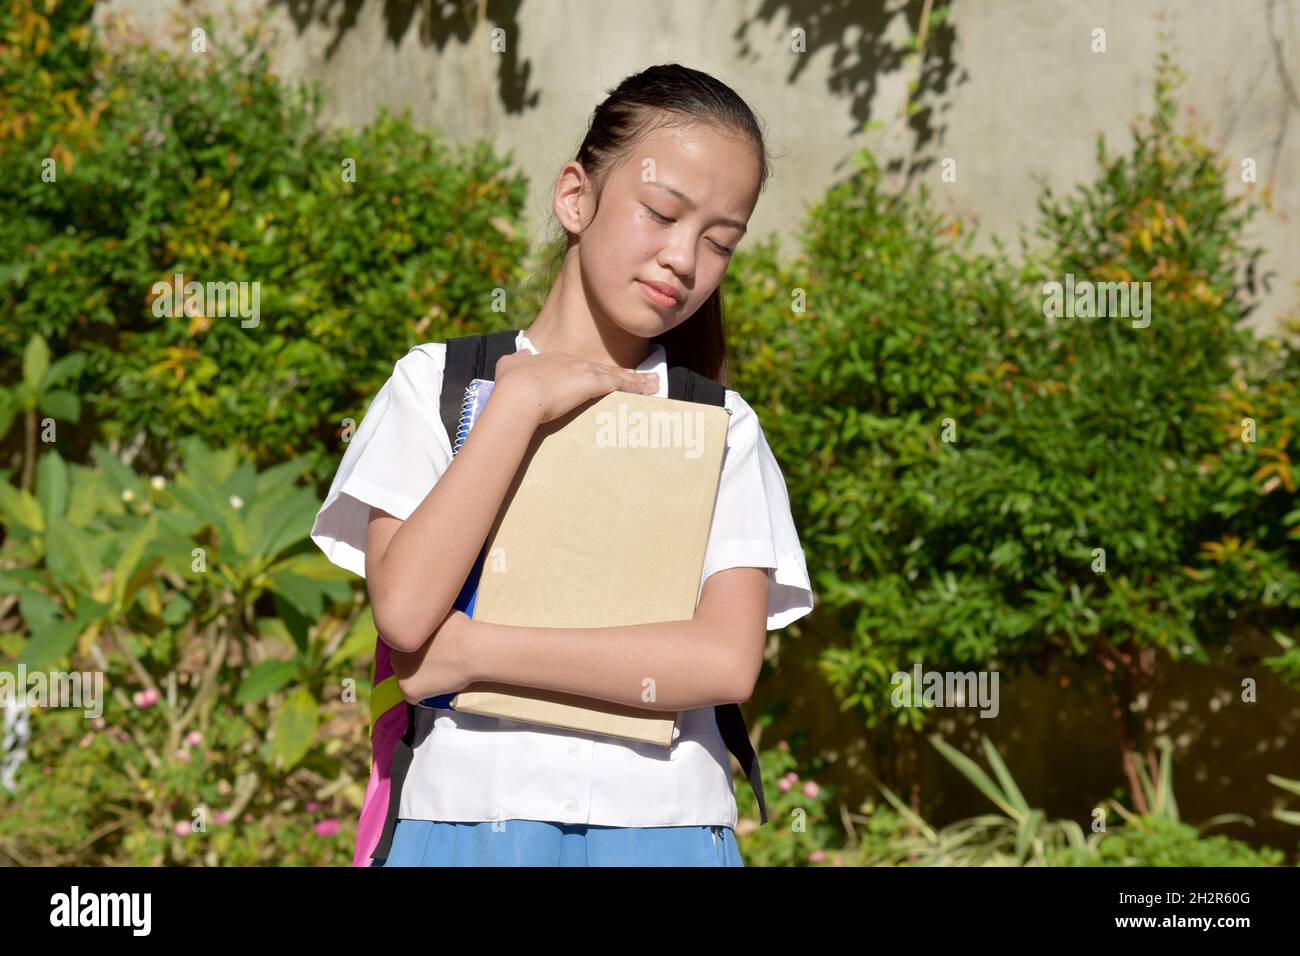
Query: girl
point(653, 206)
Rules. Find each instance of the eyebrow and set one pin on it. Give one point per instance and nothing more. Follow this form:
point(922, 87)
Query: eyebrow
point(691, 204)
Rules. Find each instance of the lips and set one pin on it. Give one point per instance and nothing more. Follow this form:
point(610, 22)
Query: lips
point(664, 290)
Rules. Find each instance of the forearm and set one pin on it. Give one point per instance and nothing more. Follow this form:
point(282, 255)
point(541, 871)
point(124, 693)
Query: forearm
point(667, 666)
point(431, 554)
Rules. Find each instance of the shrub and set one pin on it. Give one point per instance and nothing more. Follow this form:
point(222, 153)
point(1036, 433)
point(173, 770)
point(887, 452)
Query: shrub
point(207, 167)
point(232, 652)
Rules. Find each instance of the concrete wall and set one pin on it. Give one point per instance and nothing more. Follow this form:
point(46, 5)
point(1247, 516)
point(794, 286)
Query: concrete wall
point(1011, 90)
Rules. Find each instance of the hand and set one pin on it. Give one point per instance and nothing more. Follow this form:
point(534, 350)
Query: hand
point(554, 383)
point(442, 665)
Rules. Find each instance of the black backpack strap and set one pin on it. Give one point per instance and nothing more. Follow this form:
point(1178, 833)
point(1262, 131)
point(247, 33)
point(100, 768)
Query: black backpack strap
point(687, 385)
point(468, 357)
point(403, 751)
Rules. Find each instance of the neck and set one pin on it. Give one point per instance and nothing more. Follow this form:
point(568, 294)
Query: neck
point(567, 323)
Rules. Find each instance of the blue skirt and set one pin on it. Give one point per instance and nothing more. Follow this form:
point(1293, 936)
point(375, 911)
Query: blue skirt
point(541, 843)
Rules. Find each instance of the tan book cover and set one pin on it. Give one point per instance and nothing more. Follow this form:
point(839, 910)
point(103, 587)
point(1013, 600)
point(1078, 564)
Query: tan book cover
point(606, 524)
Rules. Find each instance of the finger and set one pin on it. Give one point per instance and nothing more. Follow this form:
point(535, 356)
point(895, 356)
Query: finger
point(645, 383)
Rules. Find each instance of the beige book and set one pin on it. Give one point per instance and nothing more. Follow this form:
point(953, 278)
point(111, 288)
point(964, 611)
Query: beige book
point(605, 524)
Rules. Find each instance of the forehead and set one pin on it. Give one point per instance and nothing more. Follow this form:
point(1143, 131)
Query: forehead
point(716, 170)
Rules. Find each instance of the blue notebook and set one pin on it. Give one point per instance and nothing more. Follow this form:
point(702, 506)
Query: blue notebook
point(476, 396)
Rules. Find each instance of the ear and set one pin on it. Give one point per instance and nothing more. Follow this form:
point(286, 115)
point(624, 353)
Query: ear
point(573, 192)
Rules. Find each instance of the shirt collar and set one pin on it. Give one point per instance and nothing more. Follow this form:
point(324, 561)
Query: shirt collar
point(656, 361)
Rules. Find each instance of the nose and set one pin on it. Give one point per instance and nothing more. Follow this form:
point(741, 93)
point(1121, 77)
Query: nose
point(679, 256)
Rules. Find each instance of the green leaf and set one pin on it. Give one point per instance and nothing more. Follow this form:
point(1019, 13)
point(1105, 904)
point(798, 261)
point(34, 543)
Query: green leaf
point(304, 594)
point(1286, 783)
point(36, 361)
point(8, 411)
point(38, 610)
point(287, 524)
point(208, 465)
point(1004, 777)
point(61, 405)
point(1025, 832)
point(359, 642)
point(200, 505)
point(89, 495)
point(17, 507)
point(120, 478)
point(177, 609)
point(265, 679)
point(132, 551)
point(52, 484)
point(295, 622)
point(974, 774)
point(65, 367)
point(50, 643)
point(295, 728)
point(14, 580)
point(66, 556)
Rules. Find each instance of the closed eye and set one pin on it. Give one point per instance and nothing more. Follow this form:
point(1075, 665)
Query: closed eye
point(665, 220)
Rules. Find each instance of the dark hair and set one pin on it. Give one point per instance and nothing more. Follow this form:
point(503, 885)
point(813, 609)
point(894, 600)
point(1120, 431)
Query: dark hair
point(662, 96)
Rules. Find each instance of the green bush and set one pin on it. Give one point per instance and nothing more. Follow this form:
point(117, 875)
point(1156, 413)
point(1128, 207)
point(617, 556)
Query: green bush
point(206, 166)
point(961, 463)
point(234, 657)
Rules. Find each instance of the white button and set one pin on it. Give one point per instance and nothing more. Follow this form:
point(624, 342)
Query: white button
point(574, 749)
point(571, 805)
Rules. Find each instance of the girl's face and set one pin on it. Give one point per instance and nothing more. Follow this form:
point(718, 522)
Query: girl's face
point(670, 216)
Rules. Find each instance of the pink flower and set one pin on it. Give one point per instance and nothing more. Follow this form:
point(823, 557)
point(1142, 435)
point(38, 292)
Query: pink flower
point(220, 816)
point(311, 807)
point(792, 777)
point(194, 738)
point(810, 789)
point(182, 828)
point(182, 755)
point(783, 746)
point(784, 784)
point(86, 740)
point(146, 698)
point(326, 828)
point(98, 723)
point(817, 856)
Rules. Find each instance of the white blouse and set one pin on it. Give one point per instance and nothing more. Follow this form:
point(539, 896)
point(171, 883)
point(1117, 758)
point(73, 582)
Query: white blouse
point(468, 767)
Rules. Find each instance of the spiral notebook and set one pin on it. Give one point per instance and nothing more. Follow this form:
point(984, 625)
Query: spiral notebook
point(583, 530)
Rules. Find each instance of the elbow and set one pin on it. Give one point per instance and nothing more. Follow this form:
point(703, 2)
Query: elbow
point(738, 695)
point(399, 641)
point(744, 669)
point(403, 624)
point(740, 685)
point(399, 638)
point(400, 626)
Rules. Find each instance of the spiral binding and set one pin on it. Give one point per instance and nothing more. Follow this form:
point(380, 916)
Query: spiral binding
point(466, 410)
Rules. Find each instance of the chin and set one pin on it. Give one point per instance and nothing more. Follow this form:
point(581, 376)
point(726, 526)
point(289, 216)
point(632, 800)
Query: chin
point(642, 322)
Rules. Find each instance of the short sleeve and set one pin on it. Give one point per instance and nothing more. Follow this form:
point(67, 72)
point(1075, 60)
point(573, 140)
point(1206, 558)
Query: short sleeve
point(397, 453)
point(752, 525)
